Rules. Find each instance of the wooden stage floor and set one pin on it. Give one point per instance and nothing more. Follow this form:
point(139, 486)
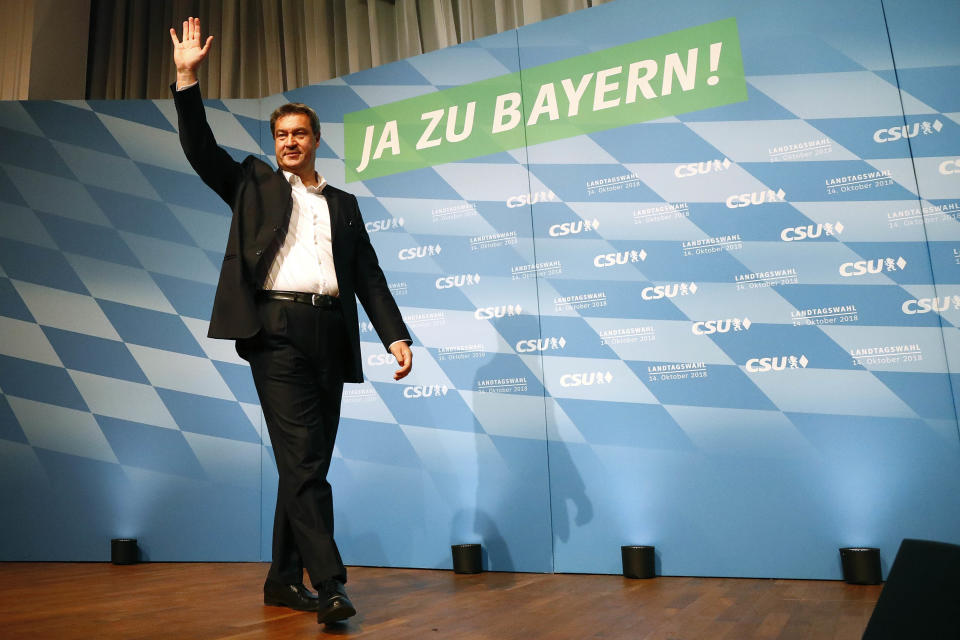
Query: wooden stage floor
point(224, 600)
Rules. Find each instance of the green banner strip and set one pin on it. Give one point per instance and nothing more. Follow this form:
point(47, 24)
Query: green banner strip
point(674, 73)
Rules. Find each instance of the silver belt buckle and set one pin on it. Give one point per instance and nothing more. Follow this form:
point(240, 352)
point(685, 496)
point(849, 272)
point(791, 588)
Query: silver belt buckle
point(315, 299)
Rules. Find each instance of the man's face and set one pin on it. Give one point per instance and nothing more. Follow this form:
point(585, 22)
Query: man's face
point(295, 143)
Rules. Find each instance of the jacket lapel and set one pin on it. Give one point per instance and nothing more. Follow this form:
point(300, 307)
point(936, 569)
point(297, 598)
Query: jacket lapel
point(279, 191)
point(336, 216)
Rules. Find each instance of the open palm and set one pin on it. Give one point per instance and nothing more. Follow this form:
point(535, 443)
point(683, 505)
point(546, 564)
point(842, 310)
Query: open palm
point(188, 52)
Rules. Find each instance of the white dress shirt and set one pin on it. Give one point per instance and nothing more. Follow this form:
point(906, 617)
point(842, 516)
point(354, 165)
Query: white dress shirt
point(305, 259)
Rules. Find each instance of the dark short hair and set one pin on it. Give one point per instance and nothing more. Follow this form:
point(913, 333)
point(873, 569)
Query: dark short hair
point(291, 108)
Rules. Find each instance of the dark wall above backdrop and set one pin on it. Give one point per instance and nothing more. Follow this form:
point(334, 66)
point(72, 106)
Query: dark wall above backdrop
point(686, 278)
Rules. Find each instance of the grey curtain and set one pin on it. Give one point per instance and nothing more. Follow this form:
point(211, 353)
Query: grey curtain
point(269, 46)
point(16, 34)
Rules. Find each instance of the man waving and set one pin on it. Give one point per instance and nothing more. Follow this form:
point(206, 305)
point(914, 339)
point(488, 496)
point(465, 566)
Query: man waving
point(297, 259)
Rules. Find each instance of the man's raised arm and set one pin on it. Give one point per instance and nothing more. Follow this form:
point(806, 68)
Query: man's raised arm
point(214, 165)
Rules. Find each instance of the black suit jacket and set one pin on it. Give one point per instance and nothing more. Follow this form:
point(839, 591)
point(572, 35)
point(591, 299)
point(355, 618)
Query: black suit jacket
point(261, 200)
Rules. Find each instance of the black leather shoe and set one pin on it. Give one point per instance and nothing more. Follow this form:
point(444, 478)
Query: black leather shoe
point(295, 596)
point(334, 603)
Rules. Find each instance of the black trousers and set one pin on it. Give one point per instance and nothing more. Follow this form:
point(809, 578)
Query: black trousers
point(297, 363)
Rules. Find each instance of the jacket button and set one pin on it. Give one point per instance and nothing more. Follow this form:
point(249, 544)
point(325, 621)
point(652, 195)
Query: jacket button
point(276, 229)
point(259, 252)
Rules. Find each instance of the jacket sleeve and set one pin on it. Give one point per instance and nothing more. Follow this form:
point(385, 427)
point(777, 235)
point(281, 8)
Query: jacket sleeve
point(215, 167)
point(372, 289)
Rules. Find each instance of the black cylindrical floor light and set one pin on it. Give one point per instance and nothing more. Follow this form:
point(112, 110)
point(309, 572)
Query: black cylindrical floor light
point(861, 565)
point(638, 561)
point(467, 558)
point(124, 551)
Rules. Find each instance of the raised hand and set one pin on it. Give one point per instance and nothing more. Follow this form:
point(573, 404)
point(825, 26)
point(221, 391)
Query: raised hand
point(188, 53)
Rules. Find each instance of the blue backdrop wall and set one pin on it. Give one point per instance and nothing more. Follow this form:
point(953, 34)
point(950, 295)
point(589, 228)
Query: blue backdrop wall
point(727, 331)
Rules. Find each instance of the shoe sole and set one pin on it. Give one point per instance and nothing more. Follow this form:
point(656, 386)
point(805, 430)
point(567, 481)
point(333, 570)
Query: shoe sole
point(277, 603)
point(336, 615)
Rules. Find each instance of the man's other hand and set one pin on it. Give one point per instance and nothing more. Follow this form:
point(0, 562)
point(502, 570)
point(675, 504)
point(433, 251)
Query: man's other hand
point(401, 351)
point(188, 52)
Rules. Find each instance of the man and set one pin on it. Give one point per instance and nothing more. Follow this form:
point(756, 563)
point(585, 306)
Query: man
point(297, 255)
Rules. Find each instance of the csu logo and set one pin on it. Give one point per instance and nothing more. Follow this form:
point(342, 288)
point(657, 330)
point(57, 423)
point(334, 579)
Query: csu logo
point(380, 359)
point(708, 327)
point(757, 197)
point(585, 379)
point(384, 225)
point(571, 228)
point(926, 305)
point(776, 363)
point(669, 290)
point(488, 313)
point(863, 267)
point(948, 167)
point(792, 234)
point(541, 344)
point(462, 280)
point(700, 168)
point(622, 257)
point(425, 391)
point(419, 252)
point(524, 199)
point(907, 131)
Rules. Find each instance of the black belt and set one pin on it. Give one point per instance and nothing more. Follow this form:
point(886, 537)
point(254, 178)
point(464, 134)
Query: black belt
point(319, 300)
